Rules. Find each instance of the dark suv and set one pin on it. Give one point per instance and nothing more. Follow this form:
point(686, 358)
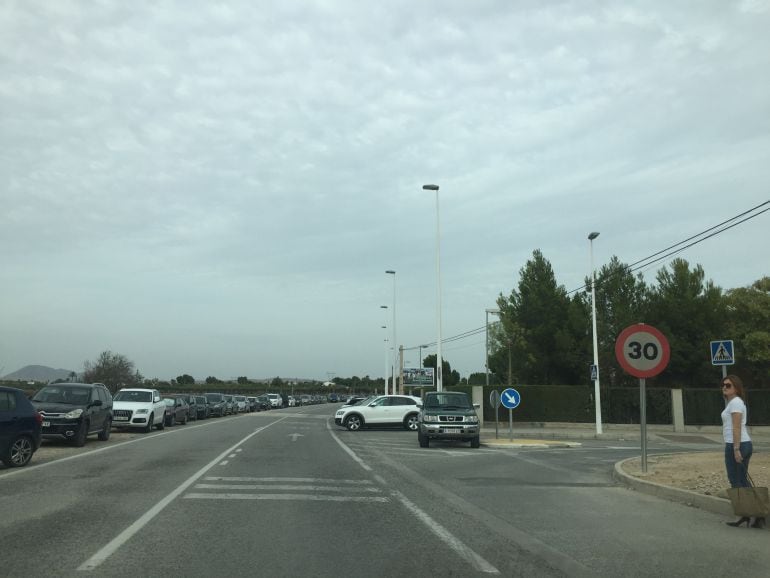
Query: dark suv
point(19, 428)
point(448, 415)
point(73, 411)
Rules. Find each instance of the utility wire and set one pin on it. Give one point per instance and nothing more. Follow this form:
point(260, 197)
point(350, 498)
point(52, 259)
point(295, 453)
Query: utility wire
point(648, 261)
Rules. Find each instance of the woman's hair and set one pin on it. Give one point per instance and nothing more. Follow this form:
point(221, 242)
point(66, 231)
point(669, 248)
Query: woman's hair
point(737, 382)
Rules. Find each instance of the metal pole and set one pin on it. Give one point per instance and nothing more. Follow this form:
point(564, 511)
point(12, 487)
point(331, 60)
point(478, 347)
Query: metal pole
point(597, 390)
point(439, 359)
point(387, 356)
point(643, 420)
point(486, 347)
point(395, 340)
point(510, 425)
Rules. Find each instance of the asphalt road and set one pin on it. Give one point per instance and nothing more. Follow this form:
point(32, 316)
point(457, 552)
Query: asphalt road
point(287, 493)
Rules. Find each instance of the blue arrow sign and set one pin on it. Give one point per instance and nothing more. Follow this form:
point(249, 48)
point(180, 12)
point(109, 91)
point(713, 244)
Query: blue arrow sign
point(510, 398)
point(722, 352)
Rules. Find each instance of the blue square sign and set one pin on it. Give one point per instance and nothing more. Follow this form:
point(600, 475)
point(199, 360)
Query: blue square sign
point(722, 352)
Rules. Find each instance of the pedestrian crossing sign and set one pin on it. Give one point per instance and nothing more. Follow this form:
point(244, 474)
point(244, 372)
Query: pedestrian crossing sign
point(722, 352)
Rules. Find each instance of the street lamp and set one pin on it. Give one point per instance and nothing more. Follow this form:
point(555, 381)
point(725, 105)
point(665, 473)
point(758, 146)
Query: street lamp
point(421, 347)
point(439, 360)
point(486, 326)
point(395, 363)
point(387, 374)
point(597, 394)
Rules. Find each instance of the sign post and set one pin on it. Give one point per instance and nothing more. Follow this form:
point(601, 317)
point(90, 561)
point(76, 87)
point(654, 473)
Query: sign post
point(643, 352)
point(723, 353)
point(511, 399)
point(494, 401)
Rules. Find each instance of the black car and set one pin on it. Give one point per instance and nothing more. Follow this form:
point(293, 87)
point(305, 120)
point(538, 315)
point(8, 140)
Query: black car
point(202, 407)
point(216, 404)
point(192, 403)
point(177, 411)
point(263, 403)
point(20, 426)
point(73, 411)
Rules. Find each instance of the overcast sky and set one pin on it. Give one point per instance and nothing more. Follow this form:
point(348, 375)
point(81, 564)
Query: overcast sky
point(217, 188)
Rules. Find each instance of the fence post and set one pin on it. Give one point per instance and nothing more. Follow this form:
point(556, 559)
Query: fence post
point(677, 410)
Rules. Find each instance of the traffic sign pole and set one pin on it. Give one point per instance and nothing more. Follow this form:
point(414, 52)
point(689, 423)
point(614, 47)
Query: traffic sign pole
point(643, 420)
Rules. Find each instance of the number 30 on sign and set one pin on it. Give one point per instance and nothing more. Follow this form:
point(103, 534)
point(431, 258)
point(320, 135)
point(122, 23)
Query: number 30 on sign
point(642, 350)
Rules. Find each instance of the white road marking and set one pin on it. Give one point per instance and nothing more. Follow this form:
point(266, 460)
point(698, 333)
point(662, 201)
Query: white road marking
point(443, 534)
point(286, 497)
point(97, 559)
point(294, 480)
point(284, 487)
point(223, 463)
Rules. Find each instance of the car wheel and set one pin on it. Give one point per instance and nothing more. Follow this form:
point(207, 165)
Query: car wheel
point(412, 422)
point(80, 437)
point(19, 452)
point(475, 442)
point(104, 435)
point(162, 424)
point(150, 419)
point(424, 440)
point(354, 422)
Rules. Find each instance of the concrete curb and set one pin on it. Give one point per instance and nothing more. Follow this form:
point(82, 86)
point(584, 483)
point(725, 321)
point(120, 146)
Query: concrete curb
point(527, 443)
point(686, 497)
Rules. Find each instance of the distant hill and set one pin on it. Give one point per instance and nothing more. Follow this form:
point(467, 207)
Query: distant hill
point(38, 373)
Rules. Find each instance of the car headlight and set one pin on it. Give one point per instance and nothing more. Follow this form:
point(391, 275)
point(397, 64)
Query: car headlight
point(74, 414)
point(340, 413)
point(472, 419)
point(429, 418)
point(142, 411)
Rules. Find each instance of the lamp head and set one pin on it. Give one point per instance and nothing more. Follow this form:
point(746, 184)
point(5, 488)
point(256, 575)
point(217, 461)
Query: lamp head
point(593, 236)
point(430, 187)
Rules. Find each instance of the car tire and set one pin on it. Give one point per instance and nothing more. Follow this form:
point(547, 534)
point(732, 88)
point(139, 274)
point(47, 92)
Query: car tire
point(424, 440)
point(148, 427)
point(19, 452)
point(162, 424)
point(412, 422)
point(104, 435)
point(80, 437)
point(475, 442)
point(354, 422)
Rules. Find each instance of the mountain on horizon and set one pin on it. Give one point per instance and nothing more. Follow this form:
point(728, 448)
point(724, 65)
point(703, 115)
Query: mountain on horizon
point(40, 373)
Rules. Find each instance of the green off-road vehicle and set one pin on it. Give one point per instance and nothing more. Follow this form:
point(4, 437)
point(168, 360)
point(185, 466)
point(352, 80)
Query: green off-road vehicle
point(448, 415)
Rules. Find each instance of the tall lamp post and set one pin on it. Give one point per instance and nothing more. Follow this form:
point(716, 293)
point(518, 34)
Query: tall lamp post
point(439, 359)
point(419, 361)
point(395, 363)
point(597, 393)
point(387, 373)
point(486, 326)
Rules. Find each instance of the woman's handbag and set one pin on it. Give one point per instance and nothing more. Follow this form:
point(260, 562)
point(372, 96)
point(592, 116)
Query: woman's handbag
point(751, 501)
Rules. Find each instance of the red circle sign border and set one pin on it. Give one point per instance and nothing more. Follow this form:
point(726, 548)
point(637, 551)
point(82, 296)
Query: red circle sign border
point(639, 327)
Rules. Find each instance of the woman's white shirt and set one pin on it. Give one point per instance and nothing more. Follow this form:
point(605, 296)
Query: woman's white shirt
point(735, 405)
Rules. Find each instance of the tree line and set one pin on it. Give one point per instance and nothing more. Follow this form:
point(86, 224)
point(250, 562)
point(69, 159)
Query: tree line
point(544, 334)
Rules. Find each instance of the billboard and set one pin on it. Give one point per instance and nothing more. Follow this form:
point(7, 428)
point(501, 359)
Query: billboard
point(418, 376)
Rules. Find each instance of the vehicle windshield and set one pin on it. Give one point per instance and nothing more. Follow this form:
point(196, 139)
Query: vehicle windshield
point(136, 396)
point(200, 399)
point(448, 400)
point(66, 395)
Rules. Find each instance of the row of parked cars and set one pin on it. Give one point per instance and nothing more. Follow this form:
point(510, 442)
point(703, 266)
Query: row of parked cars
point(75, 411)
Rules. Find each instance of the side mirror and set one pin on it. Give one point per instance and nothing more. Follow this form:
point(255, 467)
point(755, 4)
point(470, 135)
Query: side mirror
point(419, 404)
point(476, 406)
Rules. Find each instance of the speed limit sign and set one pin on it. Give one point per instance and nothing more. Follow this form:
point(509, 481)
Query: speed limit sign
point(642, 350)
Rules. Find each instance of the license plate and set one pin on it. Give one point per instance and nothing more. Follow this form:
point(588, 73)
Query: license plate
point(46, 424)
point(121, 418)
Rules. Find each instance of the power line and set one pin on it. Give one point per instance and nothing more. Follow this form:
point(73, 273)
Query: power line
point(648, 261)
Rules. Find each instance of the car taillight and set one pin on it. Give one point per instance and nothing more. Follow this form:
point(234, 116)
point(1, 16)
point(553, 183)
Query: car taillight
point(39, 417)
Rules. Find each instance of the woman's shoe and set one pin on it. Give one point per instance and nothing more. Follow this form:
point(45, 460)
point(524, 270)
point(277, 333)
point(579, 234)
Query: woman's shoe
point(740, 521)
point(758, 523)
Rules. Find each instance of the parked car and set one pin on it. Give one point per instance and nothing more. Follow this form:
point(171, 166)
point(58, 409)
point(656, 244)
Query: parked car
point(252, 403)
point(217, 406)
point(305, 400)
point(333, 398)
point(73, 411)
point(231, 408)
point(263, 402)
point(382, 410)
point(177, 411)
point(240, 402)
point(292, 401)
point(276, 401)
point(192, 405)
point(20, 428)
point(448, 415)
point(138, 408)
point(202, 406)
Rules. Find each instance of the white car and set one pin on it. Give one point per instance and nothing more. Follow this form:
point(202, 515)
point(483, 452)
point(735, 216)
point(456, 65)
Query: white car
point(380, 410)
point(276, 401)
point(292, 401)
point(138, 408)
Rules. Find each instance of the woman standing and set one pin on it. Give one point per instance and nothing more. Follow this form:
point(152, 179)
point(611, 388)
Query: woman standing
point(738, 446)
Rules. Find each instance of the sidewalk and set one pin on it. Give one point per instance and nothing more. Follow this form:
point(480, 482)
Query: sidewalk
point(545, 435)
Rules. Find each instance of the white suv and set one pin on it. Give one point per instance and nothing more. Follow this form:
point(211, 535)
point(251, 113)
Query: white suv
point(380, 410)
point(276, 401)
point(138, 408)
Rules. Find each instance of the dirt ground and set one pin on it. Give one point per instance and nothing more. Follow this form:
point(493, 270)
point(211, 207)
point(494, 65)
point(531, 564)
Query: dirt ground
point(702, 472)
